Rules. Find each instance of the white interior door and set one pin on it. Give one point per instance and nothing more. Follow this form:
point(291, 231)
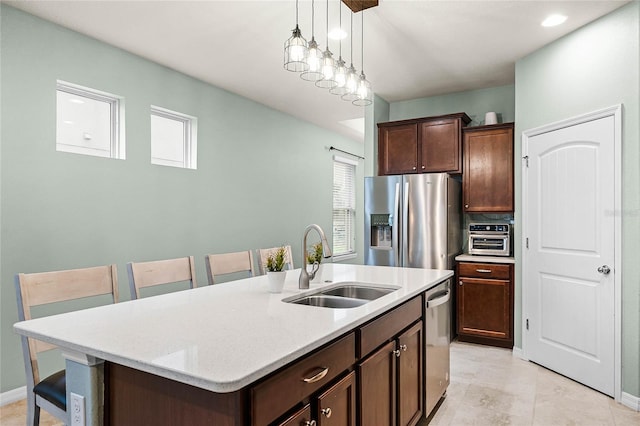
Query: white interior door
point(569, 251)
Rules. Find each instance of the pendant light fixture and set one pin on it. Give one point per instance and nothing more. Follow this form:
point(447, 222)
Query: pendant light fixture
point(328, 64)
point(321, 68)
point(341, 68)
point(314, 57)
point(296, 50)
point(364, 94)
point(351, 85)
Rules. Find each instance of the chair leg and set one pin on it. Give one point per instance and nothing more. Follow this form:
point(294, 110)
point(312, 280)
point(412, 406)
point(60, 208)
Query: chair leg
point(33, 411)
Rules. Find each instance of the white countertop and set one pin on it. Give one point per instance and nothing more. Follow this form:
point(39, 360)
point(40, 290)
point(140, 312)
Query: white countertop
point(484, 259)
point(226, 336)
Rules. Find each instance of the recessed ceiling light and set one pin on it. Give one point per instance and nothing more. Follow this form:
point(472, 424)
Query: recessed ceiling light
point(337, 34)
point(553, 20)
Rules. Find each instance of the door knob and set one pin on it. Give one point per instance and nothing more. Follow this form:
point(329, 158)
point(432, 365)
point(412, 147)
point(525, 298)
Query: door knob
point(604, 269)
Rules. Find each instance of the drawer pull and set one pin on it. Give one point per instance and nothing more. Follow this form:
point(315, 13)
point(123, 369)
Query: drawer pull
point(484, 271)
point(310, 423)
point(316, 377)
point(326, 412)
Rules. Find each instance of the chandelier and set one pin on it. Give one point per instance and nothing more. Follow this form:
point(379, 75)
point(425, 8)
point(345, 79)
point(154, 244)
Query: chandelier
point(318, 66)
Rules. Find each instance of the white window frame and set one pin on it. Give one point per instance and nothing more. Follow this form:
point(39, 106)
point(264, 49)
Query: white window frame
point(116, 107)
point(350, 240)
point(190, 136)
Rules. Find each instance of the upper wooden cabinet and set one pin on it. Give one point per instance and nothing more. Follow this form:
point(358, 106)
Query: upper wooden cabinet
point(487, 182)
point(421, 145)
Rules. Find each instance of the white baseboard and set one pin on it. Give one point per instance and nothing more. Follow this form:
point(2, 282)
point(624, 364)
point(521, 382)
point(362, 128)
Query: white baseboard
point(13, 395)
point(630, 401)
point(517, 352)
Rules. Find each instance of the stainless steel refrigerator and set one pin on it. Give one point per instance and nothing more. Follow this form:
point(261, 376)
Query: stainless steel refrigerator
point(413, 220)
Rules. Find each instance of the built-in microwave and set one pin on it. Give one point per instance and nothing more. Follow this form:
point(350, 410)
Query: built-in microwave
point(490, 239)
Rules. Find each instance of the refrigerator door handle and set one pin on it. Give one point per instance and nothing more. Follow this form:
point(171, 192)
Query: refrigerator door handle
point(395, 229)
point(405, 225)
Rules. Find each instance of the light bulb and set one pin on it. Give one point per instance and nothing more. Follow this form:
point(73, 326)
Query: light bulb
point(363, 90)
point(341, 74)
point(328, 66)
point(352, 80)
point(297, 52)
point(315, 57)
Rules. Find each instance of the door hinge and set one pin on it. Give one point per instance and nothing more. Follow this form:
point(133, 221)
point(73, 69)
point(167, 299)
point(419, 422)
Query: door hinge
point(526, 240)
point(527, 323)
point(526, 159)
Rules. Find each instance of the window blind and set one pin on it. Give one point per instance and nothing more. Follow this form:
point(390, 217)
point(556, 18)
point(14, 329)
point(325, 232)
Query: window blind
point(344, 206)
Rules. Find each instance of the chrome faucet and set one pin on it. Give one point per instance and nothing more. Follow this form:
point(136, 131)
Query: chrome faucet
point(303, 282)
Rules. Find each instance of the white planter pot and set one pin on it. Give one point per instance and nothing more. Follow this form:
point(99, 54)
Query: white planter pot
point(276, 281)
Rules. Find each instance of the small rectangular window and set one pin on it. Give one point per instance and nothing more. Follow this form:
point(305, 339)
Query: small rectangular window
point(344, 206)
point(89, 121)
point(173, 138)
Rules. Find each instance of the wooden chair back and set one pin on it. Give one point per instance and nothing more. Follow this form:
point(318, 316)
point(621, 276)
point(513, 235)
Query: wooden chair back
point(59, 286)
point(228, 263)
point(263, 254)
point(158, 272)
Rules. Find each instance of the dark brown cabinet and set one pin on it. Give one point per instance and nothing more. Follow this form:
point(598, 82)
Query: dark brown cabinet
point(485, 303)
point(391, 381)
point(337, 405)
point(301, 417)
point(424, 145)
point(278, 394)
point(487, 182)
point(410, 377)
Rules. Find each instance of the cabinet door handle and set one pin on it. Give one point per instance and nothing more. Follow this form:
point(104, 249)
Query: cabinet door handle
point(317, 377)
point(396, 353)
point(309, 423)
point(460, 282)
point(423, 167)
point(466, 206)
point(414, 167)
point(403, 347)
point(326, 412)
point(484, 271)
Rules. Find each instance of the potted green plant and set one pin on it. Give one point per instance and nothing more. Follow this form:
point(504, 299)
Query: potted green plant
point(275, 270)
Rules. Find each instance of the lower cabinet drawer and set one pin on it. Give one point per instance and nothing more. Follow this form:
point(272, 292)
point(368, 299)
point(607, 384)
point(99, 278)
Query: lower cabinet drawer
point(484, 270)
point(388, 325)
point(279, 393)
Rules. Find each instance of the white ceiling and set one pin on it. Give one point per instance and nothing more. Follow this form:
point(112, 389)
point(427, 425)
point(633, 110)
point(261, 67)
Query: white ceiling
point(412, 49)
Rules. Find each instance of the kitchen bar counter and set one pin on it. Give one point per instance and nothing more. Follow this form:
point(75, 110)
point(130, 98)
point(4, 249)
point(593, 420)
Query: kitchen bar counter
point(222, 337)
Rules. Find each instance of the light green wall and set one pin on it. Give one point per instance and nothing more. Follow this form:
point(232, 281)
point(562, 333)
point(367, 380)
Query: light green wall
point(377, 113)
point(475, 103)
point(594, 67)
point(262, 175)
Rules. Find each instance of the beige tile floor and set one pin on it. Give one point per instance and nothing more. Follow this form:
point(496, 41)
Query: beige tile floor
point(489, 387)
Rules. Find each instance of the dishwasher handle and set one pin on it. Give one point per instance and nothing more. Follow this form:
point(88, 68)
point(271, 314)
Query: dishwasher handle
point(438, 299)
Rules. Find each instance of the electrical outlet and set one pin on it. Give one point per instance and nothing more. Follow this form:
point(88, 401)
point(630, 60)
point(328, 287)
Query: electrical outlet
point(77, 410)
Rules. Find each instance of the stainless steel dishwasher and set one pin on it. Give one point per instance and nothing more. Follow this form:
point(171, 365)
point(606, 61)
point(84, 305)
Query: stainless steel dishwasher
point(437, 331)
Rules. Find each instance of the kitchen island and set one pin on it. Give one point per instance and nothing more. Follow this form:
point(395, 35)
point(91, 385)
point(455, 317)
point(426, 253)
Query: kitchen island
point(211, 345)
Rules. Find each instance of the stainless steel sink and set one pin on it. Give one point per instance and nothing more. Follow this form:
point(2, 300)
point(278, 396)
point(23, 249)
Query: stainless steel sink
point(330, 301)
point(358, 292)
point(342, 295)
